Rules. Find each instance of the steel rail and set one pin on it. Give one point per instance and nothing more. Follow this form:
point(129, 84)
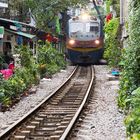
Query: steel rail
point(6, 132)
point(66, 132)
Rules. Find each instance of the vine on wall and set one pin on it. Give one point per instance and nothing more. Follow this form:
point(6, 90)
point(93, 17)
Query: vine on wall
point(112, 45)
point(129, 93)
point(130, 78)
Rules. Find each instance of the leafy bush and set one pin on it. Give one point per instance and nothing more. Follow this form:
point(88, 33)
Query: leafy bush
point(15, 86)
point(112, 45)
point(108, 3)
point(26, 57)
point(130, 77)
point(50, 60)
point(52, 68)
point(2, 90)
point(116, 6)
point(134, 99)
point(132, 121)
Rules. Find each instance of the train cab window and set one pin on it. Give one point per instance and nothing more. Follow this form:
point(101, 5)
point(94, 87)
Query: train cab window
point(94, 29)
point(76, 27)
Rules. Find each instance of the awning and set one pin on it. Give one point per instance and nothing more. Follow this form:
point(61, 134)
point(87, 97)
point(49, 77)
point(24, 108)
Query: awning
point(26, 35)
point(22, 34)
point(15, 22)
point(3, 5)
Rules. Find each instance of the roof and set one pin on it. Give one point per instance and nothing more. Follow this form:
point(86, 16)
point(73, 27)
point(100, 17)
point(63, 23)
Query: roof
point(13, 21)
point(22, 34)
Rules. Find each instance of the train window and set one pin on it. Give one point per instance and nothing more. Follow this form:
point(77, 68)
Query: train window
point(94, 29)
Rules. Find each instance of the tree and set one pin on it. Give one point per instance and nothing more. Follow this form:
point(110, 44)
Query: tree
point(46, 12)
point(17, 10)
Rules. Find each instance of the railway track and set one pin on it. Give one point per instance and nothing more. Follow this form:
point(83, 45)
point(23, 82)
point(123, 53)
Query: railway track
point(54, 117)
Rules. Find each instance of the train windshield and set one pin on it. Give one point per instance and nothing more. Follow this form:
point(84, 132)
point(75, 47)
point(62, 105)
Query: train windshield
point(76, 27)
point(84, 27)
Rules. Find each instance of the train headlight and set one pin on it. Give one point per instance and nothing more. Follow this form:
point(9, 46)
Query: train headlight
point(97, 42)
point(71, 41)
point(85, 16)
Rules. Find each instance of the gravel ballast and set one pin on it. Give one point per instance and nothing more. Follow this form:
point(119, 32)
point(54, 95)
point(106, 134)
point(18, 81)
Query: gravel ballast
point(108, 121)
point(45, 87)
point(101, 119)
point(105, 117)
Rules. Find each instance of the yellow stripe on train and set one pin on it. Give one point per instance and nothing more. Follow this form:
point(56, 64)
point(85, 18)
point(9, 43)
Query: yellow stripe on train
point(84, 49)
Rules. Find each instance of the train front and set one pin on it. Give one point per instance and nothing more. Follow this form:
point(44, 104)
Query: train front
point(85, 40)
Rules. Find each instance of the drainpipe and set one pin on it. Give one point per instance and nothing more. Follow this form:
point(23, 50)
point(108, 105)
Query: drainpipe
point(121, 12)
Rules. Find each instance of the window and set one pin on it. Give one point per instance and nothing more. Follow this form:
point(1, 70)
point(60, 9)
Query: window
point(94, 29)
point(76, 27)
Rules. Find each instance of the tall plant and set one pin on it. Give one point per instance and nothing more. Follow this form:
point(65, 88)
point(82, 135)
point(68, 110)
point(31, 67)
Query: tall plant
point(112, 44)
point(50, 60)
point(130, 78)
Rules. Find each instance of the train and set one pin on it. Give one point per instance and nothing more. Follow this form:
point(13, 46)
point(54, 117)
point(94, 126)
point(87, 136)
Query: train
point(85, 39)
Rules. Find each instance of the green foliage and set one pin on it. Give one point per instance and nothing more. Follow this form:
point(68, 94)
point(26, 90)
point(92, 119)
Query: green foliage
point(134, 99)
point(50, 60)
point(52, 68)
point(130, 77)
point(101, 10)
point(132, 121)
point(25, 56)
point(16, 85)
point(19, 6)
point(108, 3)
point(129, 93)
point(115, 4)
point(27, 61)
point(111, 27)
point(135, 137)
point(112, 44)
point(134, 4)
point(45, 11)
point(26, 76)
point(117, 8)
